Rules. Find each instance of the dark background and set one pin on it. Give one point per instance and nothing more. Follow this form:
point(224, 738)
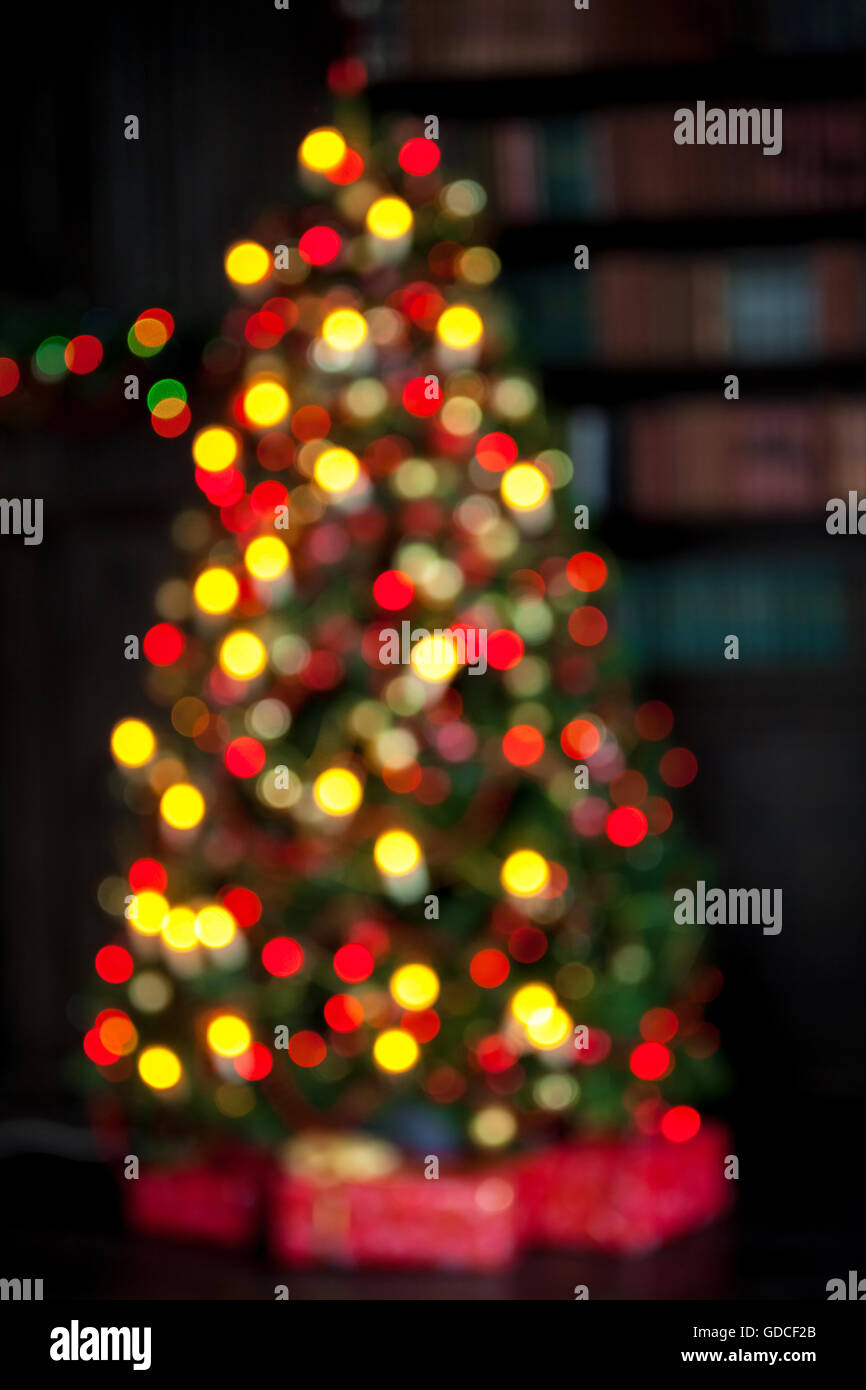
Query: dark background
point(224, 93)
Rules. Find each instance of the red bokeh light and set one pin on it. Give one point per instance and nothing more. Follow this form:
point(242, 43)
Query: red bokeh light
point(171, 426)
point(678, 767)
point(496, 451)
point(96, 1050)
point(598, 1045)
point(113, 964)
point(626, 826)
point(83, 354)
point(264, 329)
point(244, 757)
point(586, 571)
point(9, 376)
point(421, 398)
point(266, 497)
point(494, 1055)
point(319, 245)
point(244, 905)
point(423, 1025)
point(393, 589)
point(348, 170)
point(523, 745)
point(419, 156)
point(588, 626)
point(223, 488)
point(310, 422)
point(163, 644)
point(489, 968)
point(162, 316)
point(344, 1013)
point(307, 1049)
point(527, 944)
point(580, 738)
point(254, 1064)
point(650, 1060)
point(679, 1123)
point(504, 649)
point(147, 873)
point(353, 963)
point(282, 956)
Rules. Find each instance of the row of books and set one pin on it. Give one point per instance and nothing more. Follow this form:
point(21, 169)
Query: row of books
point(500, 37)
point(677, 616)
point(493, 37)
point(708, 459)
point(624, 163)
point(726, 308)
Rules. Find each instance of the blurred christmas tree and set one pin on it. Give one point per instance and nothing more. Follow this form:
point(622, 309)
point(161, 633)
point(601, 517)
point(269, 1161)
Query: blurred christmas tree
point(410, 855)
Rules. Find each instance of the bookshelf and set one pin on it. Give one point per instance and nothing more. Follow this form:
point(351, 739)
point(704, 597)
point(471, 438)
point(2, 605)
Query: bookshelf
point(586, 155)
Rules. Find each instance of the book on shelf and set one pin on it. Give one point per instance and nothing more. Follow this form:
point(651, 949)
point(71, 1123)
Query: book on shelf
point(706, 459)
point(506, 37)
point(677, 615)
point(622, 164)
point(727, 308)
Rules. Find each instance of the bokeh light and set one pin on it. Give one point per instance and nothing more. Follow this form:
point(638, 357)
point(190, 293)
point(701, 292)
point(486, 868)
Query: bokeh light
point(247, 263)
point(525, 873)
point(337, 791)
point(415, 987)
point(397, 852)
point(132, 743)
point(395, 1050)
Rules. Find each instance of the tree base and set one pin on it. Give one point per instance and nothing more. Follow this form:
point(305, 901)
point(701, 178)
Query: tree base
point(623, 1196)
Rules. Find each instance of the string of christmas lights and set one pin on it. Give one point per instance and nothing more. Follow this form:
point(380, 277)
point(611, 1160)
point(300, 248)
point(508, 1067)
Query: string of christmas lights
point(418, 895)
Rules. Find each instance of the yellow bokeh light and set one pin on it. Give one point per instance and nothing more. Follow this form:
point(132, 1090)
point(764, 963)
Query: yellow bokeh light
point(525, 873)
point(551, 1031)
point(396, 852)
point(178, 929)
point(459, 326)
point(336, 470)
point(215, 926)
point(395, 1050)
point(147, 912)
point(533, 1004)
point(242, 655)
point(266, 403)
point(344, 329)
point(434, 658)
point(216, 590)
point(247, 263)
point(267, 557)
point(416, 987)
point(337, 791)
point(214, 449)
point(182, 806)
point(159, 1068)
point(132, 743)
point(323, 149)
point(228, 1035)
point(524, 486)
point(493, 1127)
point(389, 218)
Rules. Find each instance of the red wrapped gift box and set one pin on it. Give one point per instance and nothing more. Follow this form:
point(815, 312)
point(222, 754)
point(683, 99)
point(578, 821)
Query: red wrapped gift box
point(624, 1195)
point(350, 1200)
point(218, 1200)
